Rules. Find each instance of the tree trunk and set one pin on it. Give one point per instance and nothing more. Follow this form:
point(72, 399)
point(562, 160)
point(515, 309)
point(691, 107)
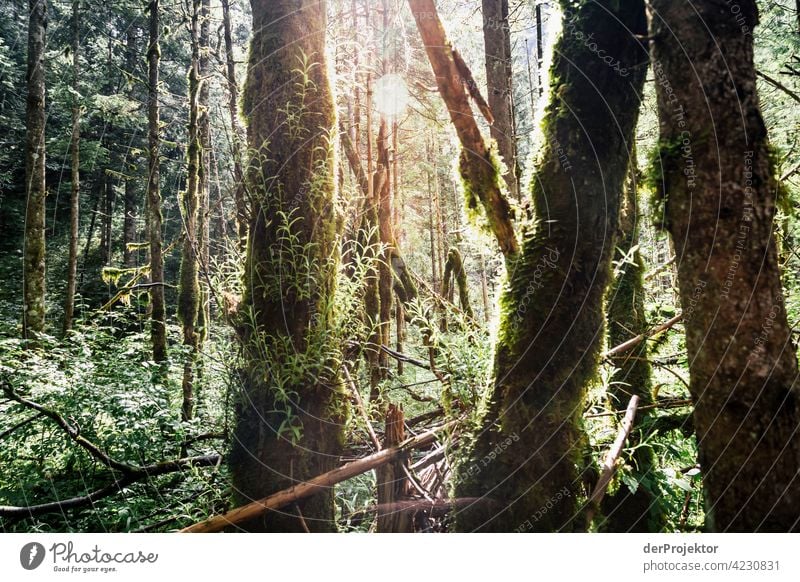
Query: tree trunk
point(523, 466)
point(383, 200)
point(477, 163)
point(291, 415)
point(716, 178)
point(233, 104)
point(189, 291)
point(456, 276)
point(626, 318)
point(391, 479)
point(33, 310)
point(75, 189)
point(106, 247)
point(158, 330)
point(132, 191)
point(497, 43)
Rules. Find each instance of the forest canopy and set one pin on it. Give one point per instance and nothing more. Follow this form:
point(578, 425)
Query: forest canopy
point(399, 266)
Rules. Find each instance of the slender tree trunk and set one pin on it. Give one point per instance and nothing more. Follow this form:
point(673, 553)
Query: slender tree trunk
point(106, 246)
point(484, 289)
point(236, 132)
point(626, 318)
point(75, 190)
point(290, 417)
point(189, 292)
point(204, 174)
point(497, 43)
point(523, 468)
point(132, 191)
point(158, 316)
point(383, 196)
point(719, 190)
point(33, 310)
point(391, 479)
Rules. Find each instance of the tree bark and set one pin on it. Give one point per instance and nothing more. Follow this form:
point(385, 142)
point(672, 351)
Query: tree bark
point(189, 291)
point(75, 187)
point(33, 310)
point(158, 331)
point(717, 182)
point(497, 43)
point(626, 318)
point(236, 132)
point(477, 164)
point(290, 415)
point(528, 448)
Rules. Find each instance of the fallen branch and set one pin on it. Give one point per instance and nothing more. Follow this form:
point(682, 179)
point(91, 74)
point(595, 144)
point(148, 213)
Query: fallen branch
point(405, 358)
point(111, 489)
point(610, 461)
point(19, 425)
point(635, 341)
point(315, 485)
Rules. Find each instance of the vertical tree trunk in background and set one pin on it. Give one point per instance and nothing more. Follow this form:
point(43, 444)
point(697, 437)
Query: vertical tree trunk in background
point(75, 162)
point(383, 200)
point(497, 43)
point(433, 224)
point(456, 276)
point(551, 308)
point(484, 289)
point(289, 425)
point(33, 309)
point(158, 330)
point(718, 183)
point(233, 104)
point(626, 318)
point(132, 178)
point(204, 174)
point(189, 290)
point(106, 246)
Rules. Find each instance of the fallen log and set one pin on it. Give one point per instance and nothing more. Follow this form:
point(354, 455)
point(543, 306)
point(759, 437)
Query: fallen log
point(315, 485)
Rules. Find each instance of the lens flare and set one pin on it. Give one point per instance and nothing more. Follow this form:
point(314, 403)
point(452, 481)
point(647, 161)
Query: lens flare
point(391, 95)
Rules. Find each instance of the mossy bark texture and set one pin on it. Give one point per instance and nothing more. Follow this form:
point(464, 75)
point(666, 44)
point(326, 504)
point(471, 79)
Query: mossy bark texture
point(719, 189)
point(522, 471)
point(33, 309)
point(289, 425)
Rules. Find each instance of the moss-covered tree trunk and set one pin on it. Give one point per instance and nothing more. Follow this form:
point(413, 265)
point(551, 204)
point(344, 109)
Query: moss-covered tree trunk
point(158, 316)
point(522, 471)
point(75, 161)
point(189, 285)
point(719, 194)
point(628, 511)
point(290, 414)
point(33, 289)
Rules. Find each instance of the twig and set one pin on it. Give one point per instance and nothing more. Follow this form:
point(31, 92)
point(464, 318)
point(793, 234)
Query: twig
point(635, 341)
point(20, 424)
point(610, 462)
point(361, 410)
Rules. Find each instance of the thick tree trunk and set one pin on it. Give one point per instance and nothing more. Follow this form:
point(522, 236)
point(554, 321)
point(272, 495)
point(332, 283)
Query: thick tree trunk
point(626, 318)
point(718, 186)
point(497, 43)
point(523, 466)
point(33, 309)
point(75, 188)
point(290, 416)
point(158, 330)
point(391, 479)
